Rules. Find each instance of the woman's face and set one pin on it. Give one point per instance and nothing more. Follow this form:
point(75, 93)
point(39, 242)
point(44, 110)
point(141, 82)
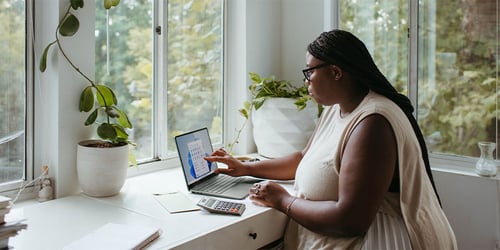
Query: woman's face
point(322, 85)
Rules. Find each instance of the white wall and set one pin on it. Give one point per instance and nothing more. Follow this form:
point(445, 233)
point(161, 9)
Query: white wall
point(58, 123)
point(302, 21)
point(471, 204)
point(269, 38)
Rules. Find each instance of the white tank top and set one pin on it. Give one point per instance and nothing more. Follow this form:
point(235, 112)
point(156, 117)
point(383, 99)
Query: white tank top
point(317, 178)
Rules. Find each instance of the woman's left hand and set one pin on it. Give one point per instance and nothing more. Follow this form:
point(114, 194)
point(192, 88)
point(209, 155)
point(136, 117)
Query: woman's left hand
point(268, 193)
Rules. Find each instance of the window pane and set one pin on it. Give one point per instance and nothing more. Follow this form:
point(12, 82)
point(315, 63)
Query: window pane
point(194, 67)
point(383, 26)
point(12, 84)
point(129, 72)
point(458, 74)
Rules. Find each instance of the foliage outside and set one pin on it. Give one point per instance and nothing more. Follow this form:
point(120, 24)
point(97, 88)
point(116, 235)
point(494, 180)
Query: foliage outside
point(12, 84)
point(193, 84)
point(457, 71)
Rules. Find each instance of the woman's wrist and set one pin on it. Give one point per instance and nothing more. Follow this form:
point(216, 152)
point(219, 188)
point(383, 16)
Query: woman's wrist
point(247, 166)
point(288, 204)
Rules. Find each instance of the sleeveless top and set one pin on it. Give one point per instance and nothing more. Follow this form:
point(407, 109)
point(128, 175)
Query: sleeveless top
point(412, 218)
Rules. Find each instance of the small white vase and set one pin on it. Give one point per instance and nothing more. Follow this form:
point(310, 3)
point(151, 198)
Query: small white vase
point(101, 171)
point(486, 165)
point(280, 129)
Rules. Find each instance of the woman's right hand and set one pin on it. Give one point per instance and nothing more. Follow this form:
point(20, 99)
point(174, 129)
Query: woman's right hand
point(234, 166)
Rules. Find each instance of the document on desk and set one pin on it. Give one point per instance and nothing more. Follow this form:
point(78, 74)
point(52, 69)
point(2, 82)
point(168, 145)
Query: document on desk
point(113, 236)
point(176, 202)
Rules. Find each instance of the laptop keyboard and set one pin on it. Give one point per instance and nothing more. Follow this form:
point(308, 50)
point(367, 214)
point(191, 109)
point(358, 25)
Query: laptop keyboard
point(218, 185)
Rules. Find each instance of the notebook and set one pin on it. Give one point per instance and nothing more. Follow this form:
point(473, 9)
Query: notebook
point(116, 236)
point(199, 173)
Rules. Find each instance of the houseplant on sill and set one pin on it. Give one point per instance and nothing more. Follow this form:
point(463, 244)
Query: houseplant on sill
point(283, 116)
point(101, 164)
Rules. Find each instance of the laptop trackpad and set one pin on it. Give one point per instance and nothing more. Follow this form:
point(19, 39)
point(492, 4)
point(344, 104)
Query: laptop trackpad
point(238, 191)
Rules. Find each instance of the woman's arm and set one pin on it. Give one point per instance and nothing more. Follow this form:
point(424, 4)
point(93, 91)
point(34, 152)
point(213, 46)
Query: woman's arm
point(278, 169)
point(366, 171)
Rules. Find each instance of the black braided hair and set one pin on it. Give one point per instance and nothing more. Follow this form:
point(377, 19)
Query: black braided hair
point(345, 50)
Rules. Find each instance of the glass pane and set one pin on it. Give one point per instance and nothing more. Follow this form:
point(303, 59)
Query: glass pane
point(129, 72)
point(383, 26)
point(458, 74)
point(12, 94)
point(195, 67)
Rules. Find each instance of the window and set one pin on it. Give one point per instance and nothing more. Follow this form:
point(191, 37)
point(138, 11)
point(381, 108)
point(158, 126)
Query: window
point(383, 27)
point(457, 74)
point(13, 82)
point(143, 39)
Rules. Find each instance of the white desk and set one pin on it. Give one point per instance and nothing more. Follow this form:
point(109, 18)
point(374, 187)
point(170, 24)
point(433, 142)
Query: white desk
point(54, 224)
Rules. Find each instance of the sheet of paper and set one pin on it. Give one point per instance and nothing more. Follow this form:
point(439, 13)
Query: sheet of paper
point(176, 202)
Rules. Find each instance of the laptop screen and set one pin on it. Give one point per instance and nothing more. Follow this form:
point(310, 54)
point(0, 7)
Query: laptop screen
point(192, 147)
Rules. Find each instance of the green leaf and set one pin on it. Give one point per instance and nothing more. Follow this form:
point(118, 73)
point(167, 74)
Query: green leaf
point(121, 134)
point(258, 102)
point(75, 4)
point(105, 96)
point(86, 100)
point(123, 118)
point(69, 26)
point(110, 3)
point(255, 77)
point(43, 60)
point(131, 156)
point(244, 113)
point(247, 105)
point(92, 117)
point(106, 131)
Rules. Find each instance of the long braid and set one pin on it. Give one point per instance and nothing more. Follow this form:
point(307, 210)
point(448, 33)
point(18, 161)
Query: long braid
point(348, 52)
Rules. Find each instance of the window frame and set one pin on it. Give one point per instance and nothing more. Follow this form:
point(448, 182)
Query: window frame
point(164, 159)
point(449, 162)
point(12, 188)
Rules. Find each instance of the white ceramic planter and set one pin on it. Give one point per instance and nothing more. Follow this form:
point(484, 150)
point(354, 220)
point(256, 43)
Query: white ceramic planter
point(101, 171)
point(280, 129)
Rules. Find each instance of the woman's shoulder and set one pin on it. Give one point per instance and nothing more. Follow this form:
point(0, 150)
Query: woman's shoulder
point(376, 103)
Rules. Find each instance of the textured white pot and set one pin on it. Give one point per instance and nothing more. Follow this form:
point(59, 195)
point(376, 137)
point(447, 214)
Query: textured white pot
point(101, 171)
point(280, 129)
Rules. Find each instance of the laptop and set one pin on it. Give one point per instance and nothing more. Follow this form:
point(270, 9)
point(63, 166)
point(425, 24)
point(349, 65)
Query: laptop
point(199, 173)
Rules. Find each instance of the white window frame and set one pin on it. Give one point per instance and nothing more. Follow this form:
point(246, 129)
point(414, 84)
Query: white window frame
point(160, 132)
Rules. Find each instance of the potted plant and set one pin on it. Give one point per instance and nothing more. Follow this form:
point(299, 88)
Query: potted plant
point(285, 119)
point(101, 164)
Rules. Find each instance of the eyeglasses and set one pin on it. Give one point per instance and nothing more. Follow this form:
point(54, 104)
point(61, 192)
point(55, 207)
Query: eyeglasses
point(308, 72)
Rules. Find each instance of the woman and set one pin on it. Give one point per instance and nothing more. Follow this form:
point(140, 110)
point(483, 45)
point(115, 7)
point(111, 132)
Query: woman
point(363, 180)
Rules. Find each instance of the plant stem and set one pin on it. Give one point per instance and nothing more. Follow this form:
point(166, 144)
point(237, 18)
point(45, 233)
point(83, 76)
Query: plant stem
point(237, 138)
point(59, 45)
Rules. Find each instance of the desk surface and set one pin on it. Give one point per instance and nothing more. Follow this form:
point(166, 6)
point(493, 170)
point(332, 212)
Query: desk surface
point(54, 224)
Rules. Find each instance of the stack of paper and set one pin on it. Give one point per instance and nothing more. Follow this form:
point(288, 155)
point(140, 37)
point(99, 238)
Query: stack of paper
point(8, 228)
point(5, 205)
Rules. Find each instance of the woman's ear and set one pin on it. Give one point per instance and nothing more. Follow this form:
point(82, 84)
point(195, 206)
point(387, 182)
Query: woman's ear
point(336, 72)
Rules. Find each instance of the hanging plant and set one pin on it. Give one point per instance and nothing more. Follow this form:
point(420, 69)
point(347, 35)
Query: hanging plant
point(96, 99)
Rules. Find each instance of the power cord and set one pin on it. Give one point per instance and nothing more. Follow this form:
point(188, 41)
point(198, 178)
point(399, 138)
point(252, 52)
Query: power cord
point(44, 174)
